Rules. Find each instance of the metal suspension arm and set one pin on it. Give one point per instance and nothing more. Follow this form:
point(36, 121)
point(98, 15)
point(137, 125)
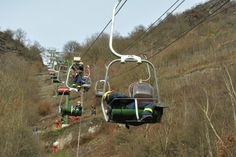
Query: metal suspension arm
point(124, 58)
point(67, 80)
point(112, 29)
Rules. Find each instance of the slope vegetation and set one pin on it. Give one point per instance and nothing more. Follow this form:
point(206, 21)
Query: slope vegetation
point(195, 56)
point(19, 99)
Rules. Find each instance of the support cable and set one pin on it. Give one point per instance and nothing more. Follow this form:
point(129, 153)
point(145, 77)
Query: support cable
point(79, 134)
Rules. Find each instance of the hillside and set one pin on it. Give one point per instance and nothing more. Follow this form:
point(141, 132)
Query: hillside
point(19, 98)
point(195, 55)
point(7, 44)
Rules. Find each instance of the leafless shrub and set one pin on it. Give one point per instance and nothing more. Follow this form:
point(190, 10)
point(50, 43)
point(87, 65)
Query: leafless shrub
point(44, 108)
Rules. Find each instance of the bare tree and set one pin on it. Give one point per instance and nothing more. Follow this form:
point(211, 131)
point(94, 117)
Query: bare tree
point(9, 32)
point(231, 92)
point(20, 35)
point(205, 110)
point(71, 46)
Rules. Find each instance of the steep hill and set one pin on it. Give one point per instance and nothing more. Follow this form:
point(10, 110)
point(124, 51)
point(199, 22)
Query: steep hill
point(195, 55)
point(19, 98)
point(7, 44)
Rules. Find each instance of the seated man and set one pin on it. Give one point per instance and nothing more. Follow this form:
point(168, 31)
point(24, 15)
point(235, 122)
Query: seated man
point(78, 80)
point(147, 106)
point(93, 110)
point(87, 70)
point(77, 107)
point(79, 66)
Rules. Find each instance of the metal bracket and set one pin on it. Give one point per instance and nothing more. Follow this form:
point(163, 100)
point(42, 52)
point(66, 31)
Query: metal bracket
point(130, 58)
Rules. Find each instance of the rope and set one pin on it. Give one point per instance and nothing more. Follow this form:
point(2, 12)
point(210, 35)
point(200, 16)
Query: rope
point(79, 134)
point(60, 102)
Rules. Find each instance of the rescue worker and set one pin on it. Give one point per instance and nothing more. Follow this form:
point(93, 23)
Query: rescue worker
point(78, 66)
point(78, 80)
point(87, 70)
point(77, 108)
point(93, 110)
point(57, 124)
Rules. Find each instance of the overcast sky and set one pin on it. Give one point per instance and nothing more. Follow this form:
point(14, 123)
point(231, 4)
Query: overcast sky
point(54, 22)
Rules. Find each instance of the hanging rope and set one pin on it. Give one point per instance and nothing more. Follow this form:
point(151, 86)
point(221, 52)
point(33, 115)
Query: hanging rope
point(60, 102)
point(81, 101)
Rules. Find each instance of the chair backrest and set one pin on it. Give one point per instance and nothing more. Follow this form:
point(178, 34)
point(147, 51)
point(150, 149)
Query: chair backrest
point(141, 90)
point(87, 79)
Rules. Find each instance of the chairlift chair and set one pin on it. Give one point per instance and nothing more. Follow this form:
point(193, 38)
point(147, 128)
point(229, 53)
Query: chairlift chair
point(68, 85)
point(56, 70)
point(59, 71)
point(116, 110)
point(63, 68)
point(142, 87)
point(70, 111)
point(87, 83)
point(52, 73)
point(87, 79)
point(63, 91)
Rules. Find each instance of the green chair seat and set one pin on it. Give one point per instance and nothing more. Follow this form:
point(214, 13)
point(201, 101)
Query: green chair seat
point(128, 116)
point(71, 113)
point(119, 113)
point(56, 81)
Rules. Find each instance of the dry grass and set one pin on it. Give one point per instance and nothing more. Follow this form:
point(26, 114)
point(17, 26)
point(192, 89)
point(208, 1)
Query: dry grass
point(44, 108)
point(18, 108)
point(200, 121)
point(191, 81)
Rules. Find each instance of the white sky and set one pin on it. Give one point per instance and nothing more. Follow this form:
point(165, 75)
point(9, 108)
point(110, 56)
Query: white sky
point(54, 22)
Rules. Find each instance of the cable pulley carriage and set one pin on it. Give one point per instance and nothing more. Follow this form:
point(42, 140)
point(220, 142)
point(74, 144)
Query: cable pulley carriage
point(143, 96)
